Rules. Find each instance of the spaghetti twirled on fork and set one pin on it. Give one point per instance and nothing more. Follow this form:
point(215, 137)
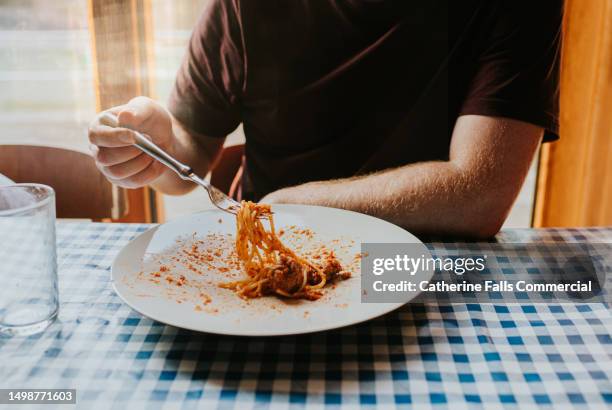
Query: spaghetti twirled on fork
point(270, 266)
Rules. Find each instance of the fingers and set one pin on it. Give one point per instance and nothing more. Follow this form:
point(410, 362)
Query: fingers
point(130, 115)
point(128, 168)
point(105, 156)
point(104, 136)
point(143, 178)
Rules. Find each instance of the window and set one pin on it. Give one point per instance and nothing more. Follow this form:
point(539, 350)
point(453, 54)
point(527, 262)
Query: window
point(46, 74)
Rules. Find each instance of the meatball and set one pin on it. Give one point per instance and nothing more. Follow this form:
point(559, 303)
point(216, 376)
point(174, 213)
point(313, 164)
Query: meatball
point(287, 276)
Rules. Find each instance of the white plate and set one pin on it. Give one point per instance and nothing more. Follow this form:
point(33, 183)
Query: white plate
point(226, 313)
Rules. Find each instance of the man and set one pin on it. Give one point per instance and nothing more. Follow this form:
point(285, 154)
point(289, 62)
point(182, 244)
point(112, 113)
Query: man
point(423, 113)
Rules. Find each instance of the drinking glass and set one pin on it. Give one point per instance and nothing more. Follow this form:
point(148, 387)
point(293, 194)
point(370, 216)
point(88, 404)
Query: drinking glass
point(29, 299)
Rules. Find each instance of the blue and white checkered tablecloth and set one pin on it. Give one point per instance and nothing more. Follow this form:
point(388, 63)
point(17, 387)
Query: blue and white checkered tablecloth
point(425, 356)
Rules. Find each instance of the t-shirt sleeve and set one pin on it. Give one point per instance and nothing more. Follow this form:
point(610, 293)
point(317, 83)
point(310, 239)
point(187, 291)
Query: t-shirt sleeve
point(208, 86)
point(518, 66)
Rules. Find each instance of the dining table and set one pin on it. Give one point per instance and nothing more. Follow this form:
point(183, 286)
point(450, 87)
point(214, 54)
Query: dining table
point(520, 355)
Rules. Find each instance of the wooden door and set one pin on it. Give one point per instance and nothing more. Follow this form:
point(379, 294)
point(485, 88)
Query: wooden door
point(575, 178)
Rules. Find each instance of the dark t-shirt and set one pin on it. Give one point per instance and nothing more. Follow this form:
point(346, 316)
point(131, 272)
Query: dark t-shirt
point(335, 88)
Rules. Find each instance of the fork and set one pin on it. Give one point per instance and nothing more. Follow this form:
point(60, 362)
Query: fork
point(146, 145)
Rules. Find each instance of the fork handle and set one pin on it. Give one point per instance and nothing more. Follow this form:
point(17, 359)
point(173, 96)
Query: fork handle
point(150, 148)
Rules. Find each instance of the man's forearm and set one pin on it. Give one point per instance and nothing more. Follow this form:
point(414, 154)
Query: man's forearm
point(428, 197)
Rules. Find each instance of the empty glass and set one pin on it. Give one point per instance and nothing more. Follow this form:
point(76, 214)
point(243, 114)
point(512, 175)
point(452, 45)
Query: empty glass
point(28, 266)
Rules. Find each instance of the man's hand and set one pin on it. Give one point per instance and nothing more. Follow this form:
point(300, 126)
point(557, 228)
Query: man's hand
point(468, 195)
point(112, 148)
point(125, 165)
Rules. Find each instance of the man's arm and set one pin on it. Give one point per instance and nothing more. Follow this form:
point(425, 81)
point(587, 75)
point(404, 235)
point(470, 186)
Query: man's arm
point(470, 194)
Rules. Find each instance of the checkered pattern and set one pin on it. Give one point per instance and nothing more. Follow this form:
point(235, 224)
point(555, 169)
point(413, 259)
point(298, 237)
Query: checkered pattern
point(426, 356)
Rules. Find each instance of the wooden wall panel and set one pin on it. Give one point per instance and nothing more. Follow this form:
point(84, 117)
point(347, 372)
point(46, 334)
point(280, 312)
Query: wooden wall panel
point(575, 178)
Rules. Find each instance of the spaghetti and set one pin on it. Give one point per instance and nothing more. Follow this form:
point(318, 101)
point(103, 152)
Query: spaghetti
point(270, 266)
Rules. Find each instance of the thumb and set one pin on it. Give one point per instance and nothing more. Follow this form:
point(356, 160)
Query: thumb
point(136, 112)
